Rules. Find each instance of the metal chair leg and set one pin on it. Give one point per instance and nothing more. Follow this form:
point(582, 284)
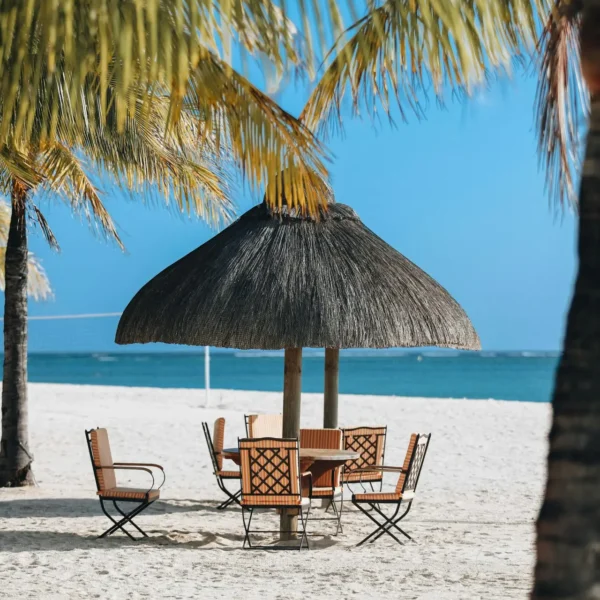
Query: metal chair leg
point(304, 521)
point(229, 501)
point(381, 527)
point(115, 523)
point(124, 515)
point(338, 515)
point(231, 498)
point(247, 527)
point(393, 522)
point(126, 519)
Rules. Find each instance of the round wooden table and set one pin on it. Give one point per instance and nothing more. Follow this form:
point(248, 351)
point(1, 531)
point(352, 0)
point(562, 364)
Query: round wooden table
point(316, 460)
point(310, 458)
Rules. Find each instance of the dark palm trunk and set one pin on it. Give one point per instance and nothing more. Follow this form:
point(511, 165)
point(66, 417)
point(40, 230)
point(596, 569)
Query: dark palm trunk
point(568, 528)
point(15, 456)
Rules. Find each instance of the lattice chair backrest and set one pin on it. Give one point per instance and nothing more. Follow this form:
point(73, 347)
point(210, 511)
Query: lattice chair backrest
point(370, 442)
point(270, 470)
point(261, 426)
point(323, 439)
point(102, 457)
point(413, 463)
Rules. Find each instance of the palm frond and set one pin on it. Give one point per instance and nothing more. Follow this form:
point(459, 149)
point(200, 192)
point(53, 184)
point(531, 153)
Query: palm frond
point(135, 43)
point(401, 51)
point(166, 165)
point(159, 47)
point(63, 173)
point(265, 141)
point(44, 226)
point(561, 100)
point(16, 166)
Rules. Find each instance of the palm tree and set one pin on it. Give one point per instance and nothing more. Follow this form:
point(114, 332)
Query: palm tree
point(568, 530)
point(166, 165)
point(38, 285)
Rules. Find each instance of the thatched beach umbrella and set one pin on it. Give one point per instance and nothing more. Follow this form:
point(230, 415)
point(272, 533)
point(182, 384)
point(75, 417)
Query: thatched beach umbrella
point(276, 279)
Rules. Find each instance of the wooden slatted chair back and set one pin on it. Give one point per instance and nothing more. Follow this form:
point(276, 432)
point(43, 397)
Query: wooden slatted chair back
point(101, 456)
point(215, 442)
point(323, 439)
point(262, 426)
point(219, 440)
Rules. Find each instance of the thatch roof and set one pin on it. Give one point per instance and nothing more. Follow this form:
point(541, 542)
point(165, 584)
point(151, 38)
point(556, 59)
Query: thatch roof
point(271, 281)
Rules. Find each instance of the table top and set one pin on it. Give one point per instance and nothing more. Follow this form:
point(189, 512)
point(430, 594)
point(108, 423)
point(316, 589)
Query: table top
point(309, 454)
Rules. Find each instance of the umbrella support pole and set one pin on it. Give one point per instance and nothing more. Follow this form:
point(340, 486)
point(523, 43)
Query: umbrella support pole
point(292, 387)
point(330, 401)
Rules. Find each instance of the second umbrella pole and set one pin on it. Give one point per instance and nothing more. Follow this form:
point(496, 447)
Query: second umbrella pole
point(330, 399)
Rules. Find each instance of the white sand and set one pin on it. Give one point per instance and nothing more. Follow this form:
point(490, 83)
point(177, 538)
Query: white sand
point(473, 517)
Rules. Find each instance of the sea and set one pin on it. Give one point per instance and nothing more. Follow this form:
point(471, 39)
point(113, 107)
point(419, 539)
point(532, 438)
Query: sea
point(519, 376)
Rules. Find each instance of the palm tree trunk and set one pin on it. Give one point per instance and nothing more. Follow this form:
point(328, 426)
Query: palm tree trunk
point(568, 527)
point(15, 456)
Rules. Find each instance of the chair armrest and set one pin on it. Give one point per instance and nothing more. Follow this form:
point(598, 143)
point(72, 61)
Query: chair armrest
point(378, 468)
point(128, 464)
point(136, 464)
point(117, 466)
point(308, 475)
point(382, 468)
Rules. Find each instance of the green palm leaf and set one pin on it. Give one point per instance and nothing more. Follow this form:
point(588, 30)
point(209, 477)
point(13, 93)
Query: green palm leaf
point(404, 49)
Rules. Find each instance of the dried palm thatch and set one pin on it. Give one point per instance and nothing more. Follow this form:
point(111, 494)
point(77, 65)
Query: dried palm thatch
point(280, 280)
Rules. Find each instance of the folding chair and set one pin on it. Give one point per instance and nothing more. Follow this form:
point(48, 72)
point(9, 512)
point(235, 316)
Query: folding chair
point(370, 443)
point(215, 449)
point(259, 426)
point(106, 483)
point(401, 498)
point(328, 485)
point(271, 479)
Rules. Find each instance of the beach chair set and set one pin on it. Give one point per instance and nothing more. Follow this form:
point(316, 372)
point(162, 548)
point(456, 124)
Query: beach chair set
point(270, 476)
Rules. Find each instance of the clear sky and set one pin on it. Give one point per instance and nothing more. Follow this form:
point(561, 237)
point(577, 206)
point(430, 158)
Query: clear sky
point(460, 194)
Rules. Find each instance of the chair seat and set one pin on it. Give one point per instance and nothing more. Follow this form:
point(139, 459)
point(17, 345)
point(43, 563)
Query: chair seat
point(377, 497)
point(273, 502)
point(327, 492)
point(229, 474)
point(130, 494)
point(364, 476)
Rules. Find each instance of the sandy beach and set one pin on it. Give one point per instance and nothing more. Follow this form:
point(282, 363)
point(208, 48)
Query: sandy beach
point(473, 518)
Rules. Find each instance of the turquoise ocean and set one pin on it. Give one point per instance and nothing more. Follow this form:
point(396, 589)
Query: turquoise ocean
point(521, 376)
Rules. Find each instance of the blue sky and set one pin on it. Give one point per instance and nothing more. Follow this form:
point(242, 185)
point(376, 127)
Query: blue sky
point(460, 194)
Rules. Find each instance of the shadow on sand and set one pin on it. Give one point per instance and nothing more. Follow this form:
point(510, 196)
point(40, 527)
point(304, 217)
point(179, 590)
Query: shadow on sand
point(89, 507)
point(55, 541)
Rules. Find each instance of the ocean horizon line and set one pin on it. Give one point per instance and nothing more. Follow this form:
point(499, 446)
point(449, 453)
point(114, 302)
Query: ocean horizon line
point(522, 375)
point(307, 352)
